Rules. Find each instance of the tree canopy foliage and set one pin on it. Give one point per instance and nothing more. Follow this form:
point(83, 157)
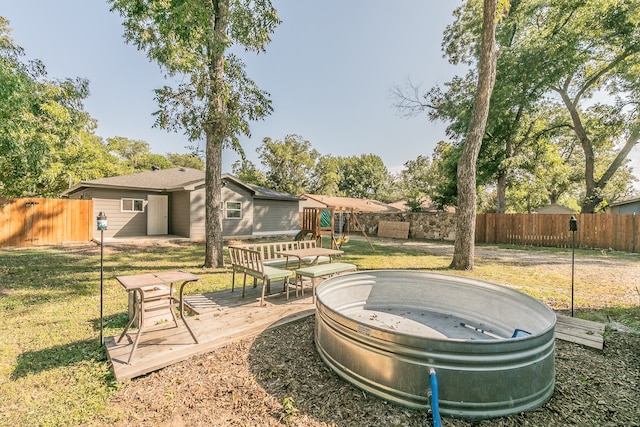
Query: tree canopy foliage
point(289, 163)
point(562, 119)
point(567, 77)
point(418, 181)
point(364, 177)
point(293, 166)
point(47, 140)
point(215, 99)
point(42, 123)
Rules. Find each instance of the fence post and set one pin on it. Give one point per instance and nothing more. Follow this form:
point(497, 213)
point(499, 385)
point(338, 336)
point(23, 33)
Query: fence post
point(634, 233)
point(573, 227)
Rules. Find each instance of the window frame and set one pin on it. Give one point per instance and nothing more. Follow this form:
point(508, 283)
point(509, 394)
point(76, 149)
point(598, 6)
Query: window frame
point(227, 210)
point(133, 205)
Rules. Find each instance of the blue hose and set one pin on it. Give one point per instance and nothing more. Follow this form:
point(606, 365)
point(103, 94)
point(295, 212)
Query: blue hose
point(434, 397)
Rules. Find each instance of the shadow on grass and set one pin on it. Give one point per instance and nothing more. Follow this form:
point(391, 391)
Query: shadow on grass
point(361, 248)
point(34, 362)
point(57, 273)
point(115, 321)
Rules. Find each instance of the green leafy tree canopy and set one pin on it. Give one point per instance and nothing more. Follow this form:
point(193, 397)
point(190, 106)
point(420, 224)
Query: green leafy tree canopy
point(213, 97)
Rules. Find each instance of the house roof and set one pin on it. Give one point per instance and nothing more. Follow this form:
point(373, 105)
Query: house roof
point(625, 202)
point(168, 180)
point(554, 208)
point(350, 203)
point(154, 181)
point(261, 192)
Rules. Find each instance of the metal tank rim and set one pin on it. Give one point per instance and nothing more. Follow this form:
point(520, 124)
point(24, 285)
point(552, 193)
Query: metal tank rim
point(365, 355)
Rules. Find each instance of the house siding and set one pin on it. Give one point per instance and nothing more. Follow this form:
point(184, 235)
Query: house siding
point(119, 224)
point(555, 208)
point(275, 216)
point(186, 216)
point(629, 208)
point(197, 214)
point(241, 226)
point(179, 218)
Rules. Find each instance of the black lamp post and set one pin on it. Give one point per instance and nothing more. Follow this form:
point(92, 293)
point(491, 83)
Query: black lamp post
point(101, 221)
point(573, 227)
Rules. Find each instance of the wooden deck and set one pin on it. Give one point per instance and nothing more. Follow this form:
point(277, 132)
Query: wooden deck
point(222, 317)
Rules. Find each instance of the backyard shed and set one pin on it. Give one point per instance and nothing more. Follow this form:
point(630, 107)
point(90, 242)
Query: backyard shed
point(172, 202)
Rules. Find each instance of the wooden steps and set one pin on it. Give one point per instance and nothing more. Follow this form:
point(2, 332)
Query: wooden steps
point(584, 332)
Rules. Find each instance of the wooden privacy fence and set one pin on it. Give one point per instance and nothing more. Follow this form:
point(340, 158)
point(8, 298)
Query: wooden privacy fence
point(45, 221)
point(620, 232)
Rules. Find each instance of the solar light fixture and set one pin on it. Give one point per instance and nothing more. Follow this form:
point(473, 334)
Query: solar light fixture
point(573, 227)
point(101, 222)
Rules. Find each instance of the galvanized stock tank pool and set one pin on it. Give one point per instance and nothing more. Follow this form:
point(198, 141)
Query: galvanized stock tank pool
point(492, 347)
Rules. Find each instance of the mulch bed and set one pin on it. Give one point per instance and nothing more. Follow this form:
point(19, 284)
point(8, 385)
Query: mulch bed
point(278, 378)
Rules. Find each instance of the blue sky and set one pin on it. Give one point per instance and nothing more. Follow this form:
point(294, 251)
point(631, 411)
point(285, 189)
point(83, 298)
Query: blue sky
point(329, 70)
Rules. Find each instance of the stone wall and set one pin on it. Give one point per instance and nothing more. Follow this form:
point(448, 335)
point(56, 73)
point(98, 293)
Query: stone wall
point(423, 225)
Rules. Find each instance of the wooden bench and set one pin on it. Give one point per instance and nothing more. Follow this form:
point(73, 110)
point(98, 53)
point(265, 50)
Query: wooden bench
point(251, 262)
point(316, 272)
point(273, 259)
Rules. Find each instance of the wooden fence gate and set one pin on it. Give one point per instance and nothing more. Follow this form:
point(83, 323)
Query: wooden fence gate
point(45, 221)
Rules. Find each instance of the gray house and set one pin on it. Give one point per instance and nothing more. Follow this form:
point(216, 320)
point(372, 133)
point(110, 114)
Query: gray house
point(629, 206)
point(172, 202)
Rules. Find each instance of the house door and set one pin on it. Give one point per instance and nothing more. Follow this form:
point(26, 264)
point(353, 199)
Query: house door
point(157, 215)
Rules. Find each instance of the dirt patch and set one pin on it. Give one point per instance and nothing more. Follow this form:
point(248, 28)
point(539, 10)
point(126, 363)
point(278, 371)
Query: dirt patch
point(601, 280)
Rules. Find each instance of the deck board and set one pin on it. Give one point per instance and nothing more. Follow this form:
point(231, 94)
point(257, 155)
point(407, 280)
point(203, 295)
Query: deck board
point(584, 332)
point(222, 317)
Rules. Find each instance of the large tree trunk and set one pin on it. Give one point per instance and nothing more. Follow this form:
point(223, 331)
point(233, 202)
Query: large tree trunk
point(216, 132)
point(501, 193)
point(213, 216)
point(591, 199)
point(466, 210)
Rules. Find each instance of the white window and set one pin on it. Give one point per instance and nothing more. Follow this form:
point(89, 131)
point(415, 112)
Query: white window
point(132, 205)
point(234, 210)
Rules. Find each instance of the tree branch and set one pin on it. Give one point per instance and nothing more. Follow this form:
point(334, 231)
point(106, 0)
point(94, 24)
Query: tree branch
point(411, 104)
point(632, 140)
point(591, 81)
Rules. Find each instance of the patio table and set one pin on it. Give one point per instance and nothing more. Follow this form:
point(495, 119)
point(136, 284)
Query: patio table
point(151, 284)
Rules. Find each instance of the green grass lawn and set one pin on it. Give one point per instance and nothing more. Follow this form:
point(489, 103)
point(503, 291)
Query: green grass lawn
point(54, 372)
